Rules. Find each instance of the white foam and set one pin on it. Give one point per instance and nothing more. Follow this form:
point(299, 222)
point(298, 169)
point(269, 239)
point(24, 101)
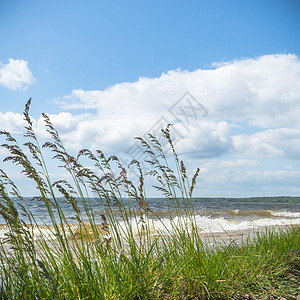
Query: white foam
point(285, 214)
point(38, 232)
point(207, 224)
point(43, 232)
point(3, 230)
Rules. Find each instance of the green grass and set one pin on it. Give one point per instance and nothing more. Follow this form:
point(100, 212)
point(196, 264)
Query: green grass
point(88, 264)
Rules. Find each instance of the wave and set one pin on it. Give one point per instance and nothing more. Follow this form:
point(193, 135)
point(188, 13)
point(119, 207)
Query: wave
point(207, 224)
point(263, 213)
point(285, 214)
point(204, 224)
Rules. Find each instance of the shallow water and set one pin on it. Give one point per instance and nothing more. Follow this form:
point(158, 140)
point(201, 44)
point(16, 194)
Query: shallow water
point(210, 217)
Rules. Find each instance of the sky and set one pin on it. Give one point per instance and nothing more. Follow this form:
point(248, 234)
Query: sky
point(226, 74)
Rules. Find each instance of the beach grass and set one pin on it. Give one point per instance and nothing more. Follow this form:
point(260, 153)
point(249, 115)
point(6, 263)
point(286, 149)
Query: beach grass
point(122, 258)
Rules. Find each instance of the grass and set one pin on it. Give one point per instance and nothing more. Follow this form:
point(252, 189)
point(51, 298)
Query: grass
point(123, 260)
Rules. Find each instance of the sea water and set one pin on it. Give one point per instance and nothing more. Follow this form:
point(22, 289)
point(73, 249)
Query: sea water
point(209, 217)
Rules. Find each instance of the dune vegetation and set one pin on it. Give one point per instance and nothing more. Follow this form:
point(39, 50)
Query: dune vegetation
point(120, 257)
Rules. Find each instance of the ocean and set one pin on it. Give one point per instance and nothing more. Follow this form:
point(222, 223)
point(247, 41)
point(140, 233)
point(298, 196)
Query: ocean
point(210, 216)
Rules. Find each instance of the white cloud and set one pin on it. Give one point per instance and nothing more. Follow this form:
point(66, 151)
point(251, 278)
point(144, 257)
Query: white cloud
point(226, 170)
point(240, 163)
point(264, 91)
point(253, 112)
point(16, 74)
point(12, 122)
point(245, 177)
point(276, 178)
point(209, 139)
point(282, 142)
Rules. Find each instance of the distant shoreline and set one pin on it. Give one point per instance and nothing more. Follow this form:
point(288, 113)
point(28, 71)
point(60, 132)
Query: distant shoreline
point(271, 200)
point(275, 200)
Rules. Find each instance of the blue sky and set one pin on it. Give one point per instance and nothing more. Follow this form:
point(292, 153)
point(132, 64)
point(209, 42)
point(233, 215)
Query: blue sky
point(107, 71)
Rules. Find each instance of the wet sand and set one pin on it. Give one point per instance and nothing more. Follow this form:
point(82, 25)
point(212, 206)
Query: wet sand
point(238, 236)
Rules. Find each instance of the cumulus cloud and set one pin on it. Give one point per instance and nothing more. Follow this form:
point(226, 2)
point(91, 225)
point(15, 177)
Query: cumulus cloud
point(267, 178)
point(15, 74)
point(263, 93)
point(282, 142)
point(228, 169)
point(209, 139)
point(246, 177)
point(239, 163)
point(235, 115)
point(12, 122)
